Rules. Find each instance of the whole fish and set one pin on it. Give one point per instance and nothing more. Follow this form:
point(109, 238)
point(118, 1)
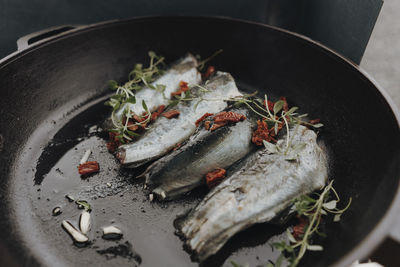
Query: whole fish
point(185, 168)
point(183, 70)
point(164, 134)
point(265, 186)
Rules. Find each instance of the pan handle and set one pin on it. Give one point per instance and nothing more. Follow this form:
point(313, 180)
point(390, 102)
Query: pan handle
point(25, 41)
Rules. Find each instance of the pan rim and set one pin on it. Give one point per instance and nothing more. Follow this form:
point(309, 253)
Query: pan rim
point(382, 228)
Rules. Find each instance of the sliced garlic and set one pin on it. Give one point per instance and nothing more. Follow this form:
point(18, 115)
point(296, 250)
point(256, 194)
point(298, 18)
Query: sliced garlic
point(111, 232)
point(85, 156)
point(84, 222)
point(76, 235)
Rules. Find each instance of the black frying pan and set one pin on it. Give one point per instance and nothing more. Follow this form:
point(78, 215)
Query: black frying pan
point(51, 94)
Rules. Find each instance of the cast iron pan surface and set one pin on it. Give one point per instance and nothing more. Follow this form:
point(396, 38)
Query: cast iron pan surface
point(52, 100)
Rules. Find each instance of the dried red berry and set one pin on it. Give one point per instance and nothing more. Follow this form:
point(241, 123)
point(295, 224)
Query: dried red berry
point(215, 177)
point(171, 114)
point(88, 167)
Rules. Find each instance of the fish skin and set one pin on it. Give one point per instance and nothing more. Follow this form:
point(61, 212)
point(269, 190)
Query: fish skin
point(184, 69)
point(184, 169)
point(256, 193)
point(164, 134)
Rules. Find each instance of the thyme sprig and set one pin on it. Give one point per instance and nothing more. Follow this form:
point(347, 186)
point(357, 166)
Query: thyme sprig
point(306, 206)
point(313, 209)
point(202, 63)
point(122, 128)
point(184, 96)
point(125, 94)
point(277, 117)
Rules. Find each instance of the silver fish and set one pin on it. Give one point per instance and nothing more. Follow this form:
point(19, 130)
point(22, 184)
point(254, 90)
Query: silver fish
point(184, 70)
point(185, 169)
point(165, 133)
point(255, 194)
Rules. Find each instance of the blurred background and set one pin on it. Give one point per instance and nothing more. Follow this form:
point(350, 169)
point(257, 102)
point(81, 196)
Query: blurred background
point(343, 25)
point(382, 56)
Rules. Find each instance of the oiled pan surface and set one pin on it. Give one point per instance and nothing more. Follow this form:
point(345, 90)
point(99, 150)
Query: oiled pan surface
point(51, 96)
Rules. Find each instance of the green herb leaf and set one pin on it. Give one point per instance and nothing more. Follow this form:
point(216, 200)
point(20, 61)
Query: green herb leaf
point(116, 106)
point(152, 54)
point(330, 205)
point(131, 133)
point(291, 111)
point(238, 104)
point(138, 78)
point(131, 100)
point(292, 157)
point(337, 218)
point(279, 245)
point(197, 104)
point(202, 63)
point(279, 261)
point(126, 111)
point(259, 101)
point(113, 85)
point(144, 105)
point(308, 199)
point(117, 97)
point(173, 103)
point(315, 248)
point(270, 148)
point(84, 204)
point(311, 209)
point(135, 87)
point(318, 125)
point(138, 67)
point(302, 115)
point(234, 264)
point(278, 106)
point(188, 94)
point(299, 147)
point(160, 87)
point(290, 236)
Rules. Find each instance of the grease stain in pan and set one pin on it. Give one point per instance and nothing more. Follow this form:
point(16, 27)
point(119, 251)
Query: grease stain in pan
point(124, 250)
point(71, 134)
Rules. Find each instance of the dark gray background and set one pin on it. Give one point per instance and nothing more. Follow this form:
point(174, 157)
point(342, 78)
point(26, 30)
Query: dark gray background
point(382, 61)
point(340, 24)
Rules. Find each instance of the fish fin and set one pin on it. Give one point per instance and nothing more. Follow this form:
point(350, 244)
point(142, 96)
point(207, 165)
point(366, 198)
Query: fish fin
point(179, 221)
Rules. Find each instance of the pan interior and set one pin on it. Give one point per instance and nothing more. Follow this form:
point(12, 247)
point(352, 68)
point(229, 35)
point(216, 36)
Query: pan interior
point(116, 197)
point(56, 91)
